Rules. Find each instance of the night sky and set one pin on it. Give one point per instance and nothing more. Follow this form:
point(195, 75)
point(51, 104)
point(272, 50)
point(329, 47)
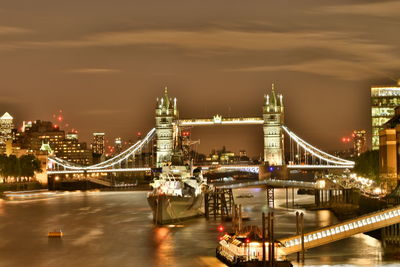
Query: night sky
point(103, 63)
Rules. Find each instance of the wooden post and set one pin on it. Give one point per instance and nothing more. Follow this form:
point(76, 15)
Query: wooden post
point(302, 236)
point(206, 206)
point(263, 241)
point(269, 240)
point(298, 231)
point(293, 197)
point(240, 222)
point(287, 198)
point(272, 240)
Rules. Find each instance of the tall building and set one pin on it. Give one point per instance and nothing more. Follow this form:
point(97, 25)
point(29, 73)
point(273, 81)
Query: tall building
point(273, 114)
point(166, 116)
point(118, 145)
point(383, 101)
point(98, 145)
point(389, 152)
point(41, 134)
point(6, 127)
point(359, 142)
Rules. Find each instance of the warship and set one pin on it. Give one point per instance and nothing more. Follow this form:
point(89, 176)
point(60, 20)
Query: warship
point(177, 194)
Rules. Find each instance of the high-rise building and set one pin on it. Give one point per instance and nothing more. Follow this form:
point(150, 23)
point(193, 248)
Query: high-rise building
point(6, 127)
point(389, 155)
point(359, 142)
point(118, 145)
point(41, 134)
point(273, 112)
point(98, 145)
point(383, 101)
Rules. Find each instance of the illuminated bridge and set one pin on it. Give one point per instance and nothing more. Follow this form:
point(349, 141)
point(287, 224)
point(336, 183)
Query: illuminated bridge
point(281, 145)
point(325, 235)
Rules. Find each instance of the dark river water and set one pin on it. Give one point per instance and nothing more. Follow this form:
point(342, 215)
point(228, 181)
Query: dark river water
point(115, 229)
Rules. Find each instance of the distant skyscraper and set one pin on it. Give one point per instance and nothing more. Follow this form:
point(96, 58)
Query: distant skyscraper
point(383, 101)
point(6, 127)
point(45, 136)
point(118, 145)
point(360, 142)
point(98, 145)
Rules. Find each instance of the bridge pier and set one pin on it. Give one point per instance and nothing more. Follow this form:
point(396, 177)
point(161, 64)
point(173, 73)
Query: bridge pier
point(218, 203)
point(391, 235)
point(270, 197)
point(327, 197)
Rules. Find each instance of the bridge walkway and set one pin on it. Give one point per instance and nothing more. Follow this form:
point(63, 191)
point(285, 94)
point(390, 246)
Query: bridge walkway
point(271, 183)
point(362, 224)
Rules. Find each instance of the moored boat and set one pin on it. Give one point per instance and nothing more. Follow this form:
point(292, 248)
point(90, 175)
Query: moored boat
point(177, 194)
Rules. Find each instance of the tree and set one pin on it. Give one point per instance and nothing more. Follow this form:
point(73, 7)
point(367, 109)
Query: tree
point(367, 164)
point(25, 166)
point(3, 162)
point(29, 165)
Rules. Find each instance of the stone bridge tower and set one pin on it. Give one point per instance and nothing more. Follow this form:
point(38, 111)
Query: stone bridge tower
point(166, 119)
point(273, 112)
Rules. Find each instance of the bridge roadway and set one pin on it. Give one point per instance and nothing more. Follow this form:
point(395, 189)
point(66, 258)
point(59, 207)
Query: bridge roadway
point(271, 183)
point(99, 170)
point(255, 168)
point(325, 235)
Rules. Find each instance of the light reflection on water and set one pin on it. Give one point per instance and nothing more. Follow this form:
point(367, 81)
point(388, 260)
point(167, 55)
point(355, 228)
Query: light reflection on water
point(115, 229)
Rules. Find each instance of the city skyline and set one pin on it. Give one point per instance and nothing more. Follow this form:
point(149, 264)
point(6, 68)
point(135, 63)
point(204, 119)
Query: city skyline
point(105, 69)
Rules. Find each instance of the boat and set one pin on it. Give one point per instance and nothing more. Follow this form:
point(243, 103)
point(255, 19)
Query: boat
point(244, 249)
point(58, 233)
point(248, 195)
point(28, 195)
point(178, 194)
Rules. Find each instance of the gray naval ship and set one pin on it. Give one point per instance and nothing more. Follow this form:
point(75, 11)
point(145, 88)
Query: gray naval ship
point(177, 194)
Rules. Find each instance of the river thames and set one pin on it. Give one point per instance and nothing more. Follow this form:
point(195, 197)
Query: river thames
point(115, 229)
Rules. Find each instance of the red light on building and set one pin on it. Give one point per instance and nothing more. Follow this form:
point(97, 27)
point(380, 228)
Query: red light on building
point(185, 133)
point(59, 118)
point(346, 139)
point(247, 240)
point(221, 228)
point(221, 238)
point(139, 134)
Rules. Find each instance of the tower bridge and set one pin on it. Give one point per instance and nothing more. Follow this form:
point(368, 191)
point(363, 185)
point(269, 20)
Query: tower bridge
point(168, 133)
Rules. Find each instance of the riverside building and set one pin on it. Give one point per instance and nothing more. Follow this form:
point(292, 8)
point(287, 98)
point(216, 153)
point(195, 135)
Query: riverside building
point(383, 101)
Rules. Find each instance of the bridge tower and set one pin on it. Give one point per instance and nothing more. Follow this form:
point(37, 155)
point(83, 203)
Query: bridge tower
point(273, 115)
point(166, 128)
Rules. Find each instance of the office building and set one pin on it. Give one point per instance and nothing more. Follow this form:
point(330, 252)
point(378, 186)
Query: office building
point(6, 127)
point(359, 142)
point(98, 145)
point(383, 101)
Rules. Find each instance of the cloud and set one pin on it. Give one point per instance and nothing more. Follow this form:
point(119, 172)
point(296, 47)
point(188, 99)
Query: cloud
point(13, 30)
point(329, 67)
point(93, 70)
point(350, 49)
point(11, 100)
point(223, 40)
point(380, 9)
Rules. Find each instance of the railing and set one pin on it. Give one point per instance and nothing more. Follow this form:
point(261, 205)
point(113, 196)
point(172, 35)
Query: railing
point(362, 224)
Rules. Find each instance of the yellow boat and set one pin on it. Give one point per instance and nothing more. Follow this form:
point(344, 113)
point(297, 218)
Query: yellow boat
point(55, 234)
